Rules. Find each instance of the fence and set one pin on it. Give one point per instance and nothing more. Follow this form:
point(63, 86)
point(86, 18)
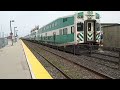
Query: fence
point(3, 42)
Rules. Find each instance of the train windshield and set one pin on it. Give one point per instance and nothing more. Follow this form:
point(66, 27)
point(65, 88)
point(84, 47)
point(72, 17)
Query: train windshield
point(98, 26)
point(79, 26)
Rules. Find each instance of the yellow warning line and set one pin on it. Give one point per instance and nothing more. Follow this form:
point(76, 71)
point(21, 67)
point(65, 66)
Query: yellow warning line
point(38, 71)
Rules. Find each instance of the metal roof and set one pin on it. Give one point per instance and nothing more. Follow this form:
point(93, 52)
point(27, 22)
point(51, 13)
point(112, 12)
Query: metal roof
point(109, 24)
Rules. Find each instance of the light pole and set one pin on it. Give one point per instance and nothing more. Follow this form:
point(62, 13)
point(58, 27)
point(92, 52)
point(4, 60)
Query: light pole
point(14, 31)
point(11, 34)
point(14, 34)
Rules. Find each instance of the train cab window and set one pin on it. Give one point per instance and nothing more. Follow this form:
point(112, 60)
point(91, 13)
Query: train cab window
point(89, 26)
point(98, 27)
point(79, 26)
point(72, 29)
point(64, 31)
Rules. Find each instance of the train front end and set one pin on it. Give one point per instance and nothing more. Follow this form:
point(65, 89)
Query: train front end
point(87, 28)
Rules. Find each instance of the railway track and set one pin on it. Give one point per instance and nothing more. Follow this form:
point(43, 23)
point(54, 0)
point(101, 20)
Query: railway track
point(106, 53)
point(91, 70)
point(106, 57)
point(102, 62)
point(114, 56)
point(31, 47)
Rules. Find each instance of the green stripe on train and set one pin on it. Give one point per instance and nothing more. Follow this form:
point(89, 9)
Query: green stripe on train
point(60, 39)
point(60, 24)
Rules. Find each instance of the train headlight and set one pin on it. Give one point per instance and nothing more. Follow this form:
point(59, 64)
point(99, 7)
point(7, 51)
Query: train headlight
point(97, 16)
point(80, 15)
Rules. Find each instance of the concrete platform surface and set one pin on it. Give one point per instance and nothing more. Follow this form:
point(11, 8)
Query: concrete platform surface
point(13, 63)
point(37, 69)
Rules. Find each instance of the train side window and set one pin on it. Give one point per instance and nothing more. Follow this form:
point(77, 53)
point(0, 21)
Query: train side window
point(64, 31)
point(48, 37)
point(54, 33)
point(56, 23)
point(64, 19)
point(72, 29)
point(60, 32)
point(52, 24)
point(42, 38)
point(79, 26)
point(45, 35)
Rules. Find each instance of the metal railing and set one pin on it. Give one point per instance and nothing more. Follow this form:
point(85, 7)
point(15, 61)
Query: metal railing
point(3, 42)
point(87, 49)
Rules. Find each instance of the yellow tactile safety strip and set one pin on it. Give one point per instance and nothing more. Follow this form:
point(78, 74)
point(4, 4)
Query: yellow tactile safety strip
point(37, 69)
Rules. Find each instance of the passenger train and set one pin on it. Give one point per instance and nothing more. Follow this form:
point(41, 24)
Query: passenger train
point(81, 28)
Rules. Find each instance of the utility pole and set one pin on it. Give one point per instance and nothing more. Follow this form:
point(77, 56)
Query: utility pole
point(14, 34)
point(11, 34)
point(14, 31)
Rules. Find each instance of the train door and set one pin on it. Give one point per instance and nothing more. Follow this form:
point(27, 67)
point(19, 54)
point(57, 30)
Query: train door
point(41, 38)
point(90, 31)
point(54, 37)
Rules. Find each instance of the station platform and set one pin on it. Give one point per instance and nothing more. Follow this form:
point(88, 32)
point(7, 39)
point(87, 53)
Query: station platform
point(18, 62)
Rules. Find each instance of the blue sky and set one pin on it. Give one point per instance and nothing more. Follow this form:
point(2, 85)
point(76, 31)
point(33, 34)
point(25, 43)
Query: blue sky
point(26, 20)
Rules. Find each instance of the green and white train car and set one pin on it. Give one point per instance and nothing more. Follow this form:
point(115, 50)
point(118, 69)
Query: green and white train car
point(80, 28)
point(33, 33)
